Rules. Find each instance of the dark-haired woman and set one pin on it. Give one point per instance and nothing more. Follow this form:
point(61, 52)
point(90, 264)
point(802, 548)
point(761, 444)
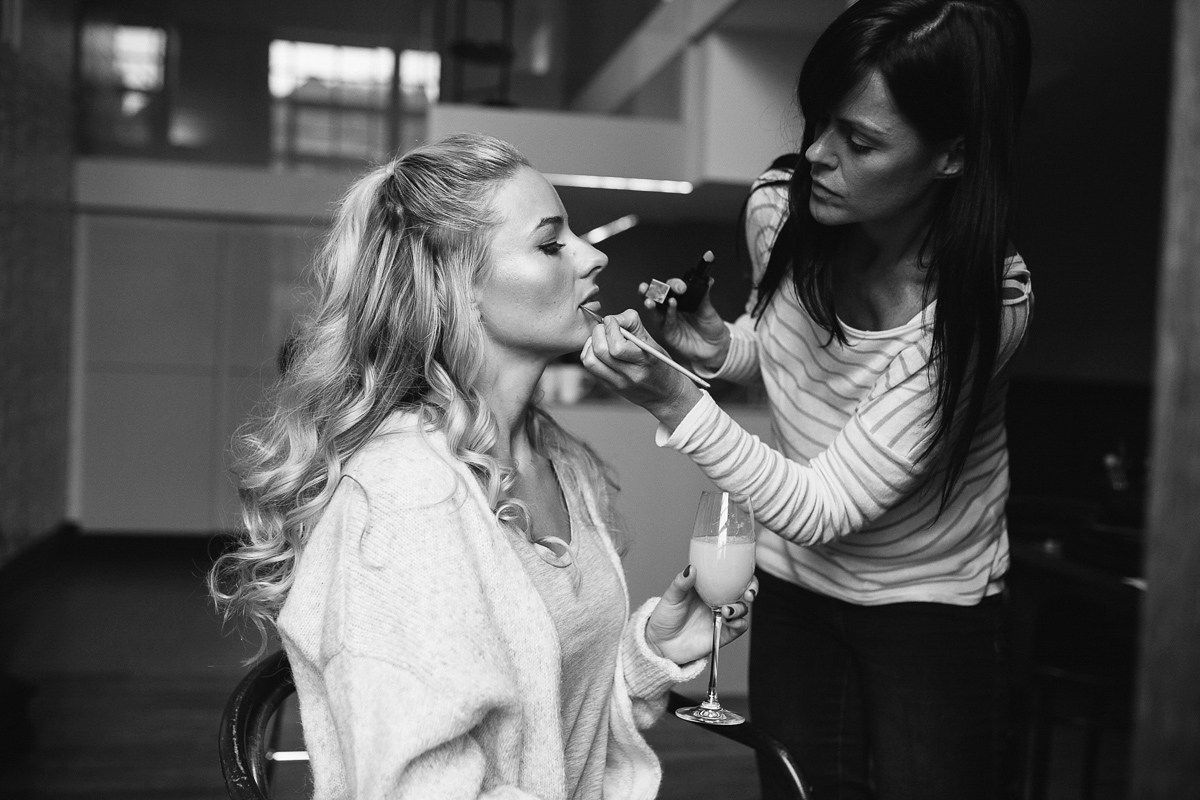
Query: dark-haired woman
point(889, 304)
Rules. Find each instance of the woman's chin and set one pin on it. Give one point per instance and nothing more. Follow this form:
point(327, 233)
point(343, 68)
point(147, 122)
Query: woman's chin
point(585, 333)
point(823, 214)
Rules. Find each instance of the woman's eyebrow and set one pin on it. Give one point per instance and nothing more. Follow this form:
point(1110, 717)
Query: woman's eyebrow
point(864, 127)
point(552, 222)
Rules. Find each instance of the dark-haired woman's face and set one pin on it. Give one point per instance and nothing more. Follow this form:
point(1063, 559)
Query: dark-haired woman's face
point(870, 165)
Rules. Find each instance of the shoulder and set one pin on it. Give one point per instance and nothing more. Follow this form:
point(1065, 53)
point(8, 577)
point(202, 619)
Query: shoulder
point(401, 478)
point(766, 209)
point(406, 461)
point(1016, 285)
point(771, 186)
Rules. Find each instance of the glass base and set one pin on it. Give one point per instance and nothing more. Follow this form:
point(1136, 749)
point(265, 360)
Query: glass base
point(709, 715)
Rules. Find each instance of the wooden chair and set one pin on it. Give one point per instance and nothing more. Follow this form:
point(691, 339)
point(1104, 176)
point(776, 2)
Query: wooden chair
point(247, 753)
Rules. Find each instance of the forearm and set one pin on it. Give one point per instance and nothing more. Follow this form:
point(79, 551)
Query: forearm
point(837, 493)
point(671, 409)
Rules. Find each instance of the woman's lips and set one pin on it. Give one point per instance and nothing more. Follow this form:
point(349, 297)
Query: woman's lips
point(822, 190)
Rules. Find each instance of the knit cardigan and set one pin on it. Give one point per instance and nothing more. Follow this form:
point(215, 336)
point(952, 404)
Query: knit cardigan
point(426, 664)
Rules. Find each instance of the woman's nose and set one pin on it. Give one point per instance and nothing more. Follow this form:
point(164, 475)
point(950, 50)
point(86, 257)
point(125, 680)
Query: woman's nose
point(819, 152)
point(593, 260)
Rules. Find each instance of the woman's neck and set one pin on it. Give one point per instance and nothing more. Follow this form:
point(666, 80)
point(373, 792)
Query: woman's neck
point(508, 391)
point(891, 244)
point(880, 282)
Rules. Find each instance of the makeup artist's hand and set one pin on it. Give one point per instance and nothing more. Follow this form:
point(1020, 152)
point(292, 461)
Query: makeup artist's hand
point(699, 337)
point(680, 626)
point(634, 375)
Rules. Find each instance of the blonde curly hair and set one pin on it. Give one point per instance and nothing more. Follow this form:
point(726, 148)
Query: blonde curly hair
point(394, 328)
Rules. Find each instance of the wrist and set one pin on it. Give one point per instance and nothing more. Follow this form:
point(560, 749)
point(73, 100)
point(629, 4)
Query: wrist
point(652, 640)
point(720, 354)
point(671, 410)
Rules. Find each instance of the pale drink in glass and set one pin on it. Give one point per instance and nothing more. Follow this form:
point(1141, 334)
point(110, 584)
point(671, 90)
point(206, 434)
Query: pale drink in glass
point(724, 567)
point(722, 554)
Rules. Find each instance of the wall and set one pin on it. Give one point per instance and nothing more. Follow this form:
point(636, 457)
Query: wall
point(571, 143)
point(1092, 166)
point(1093, 144)
point(182, 320)
point(35, 272)
point(740, 105)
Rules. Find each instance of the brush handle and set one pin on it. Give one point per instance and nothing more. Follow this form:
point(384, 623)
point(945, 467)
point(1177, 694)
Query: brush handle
point(666, 360)
point(629, 337)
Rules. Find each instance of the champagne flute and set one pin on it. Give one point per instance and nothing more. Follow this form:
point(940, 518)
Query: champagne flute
point(722, 553)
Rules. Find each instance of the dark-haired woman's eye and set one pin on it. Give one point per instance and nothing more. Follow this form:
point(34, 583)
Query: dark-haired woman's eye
point(856, 147)
point(551, 248)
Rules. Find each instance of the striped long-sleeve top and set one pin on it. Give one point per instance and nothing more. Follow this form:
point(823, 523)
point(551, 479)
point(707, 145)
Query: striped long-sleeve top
point(850, 508)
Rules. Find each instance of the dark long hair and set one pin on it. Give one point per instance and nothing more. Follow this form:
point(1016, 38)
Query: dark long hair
point(954, 68)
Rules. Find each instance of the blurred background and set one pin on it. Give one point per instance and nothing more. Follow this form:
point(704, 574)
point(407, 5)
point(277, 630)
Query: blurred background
point(167, 168)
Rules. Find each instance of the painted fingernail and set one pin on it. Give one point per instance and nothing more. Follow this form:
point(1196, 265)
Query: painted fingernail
point(687, 571)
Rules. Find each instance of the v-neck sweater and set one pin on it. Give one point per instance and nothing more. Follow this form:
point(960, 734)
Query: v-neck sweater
point(587, 606)
point(427, 663)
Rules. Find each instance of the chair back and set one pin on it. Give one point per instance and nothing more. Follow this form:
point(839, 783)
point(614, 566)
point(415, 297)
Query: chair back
point(245, 737)
point(766, 746)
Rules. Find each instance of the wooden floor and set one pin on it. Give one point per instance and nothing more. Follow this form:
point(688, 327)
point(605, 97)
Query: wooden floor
point(126, 670)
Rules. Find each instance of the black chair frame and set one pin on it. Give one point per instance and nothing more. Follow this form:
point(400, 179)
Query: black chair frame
point(245, 732)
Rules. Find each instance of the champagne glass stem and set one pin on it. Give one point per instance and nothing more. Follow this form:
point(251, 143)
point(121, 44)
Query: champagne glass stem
point(712, 700)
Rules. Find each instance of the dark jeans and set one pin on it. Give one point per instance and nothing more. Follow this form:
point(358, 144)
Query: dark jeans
point(906, 700)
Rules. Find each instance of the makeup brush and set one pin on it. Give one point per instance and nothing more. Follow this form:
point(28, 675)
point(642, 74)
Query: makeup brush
point(629, 337)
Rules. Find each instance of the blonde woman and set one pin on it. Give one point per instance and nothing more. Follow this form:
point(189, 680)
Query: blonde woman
point(437, 554)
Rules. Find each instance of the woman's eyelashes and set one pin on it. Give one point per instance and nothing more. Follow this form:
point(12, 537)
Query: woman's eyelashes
point(857, 147)
point(552, 248)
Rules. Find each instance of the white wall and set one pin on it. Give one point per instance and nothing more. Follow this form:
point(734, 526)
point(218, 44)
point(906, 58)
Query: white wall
point(739, 103)
point(129, 185)
point(573, 143)
point(180, 321)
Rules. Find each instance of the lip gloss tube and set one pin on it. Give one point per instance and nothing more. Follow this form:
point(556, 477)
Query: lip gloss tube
point(697, 284)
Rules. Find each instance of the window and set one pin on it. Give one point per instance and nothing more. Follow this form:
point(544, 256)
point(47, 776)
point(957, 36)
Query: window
point(10, 23)
point(334, 104)
point(123, 71)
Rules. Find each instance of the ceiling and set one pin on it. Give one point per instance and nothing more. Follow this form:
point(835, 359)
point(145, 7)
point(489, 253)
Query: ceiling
point(1071, 37)
point(807, 17)
point(715, 202)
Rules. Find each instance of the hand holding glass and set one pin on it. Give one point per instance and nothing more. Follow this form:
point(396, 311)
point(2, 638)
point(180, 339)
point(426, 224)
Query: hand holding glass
point(722, 553)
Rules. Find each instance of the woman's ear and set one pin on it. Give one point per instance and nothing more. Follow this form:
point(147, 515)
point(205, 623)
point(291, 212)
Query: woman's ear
point(950, 159)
